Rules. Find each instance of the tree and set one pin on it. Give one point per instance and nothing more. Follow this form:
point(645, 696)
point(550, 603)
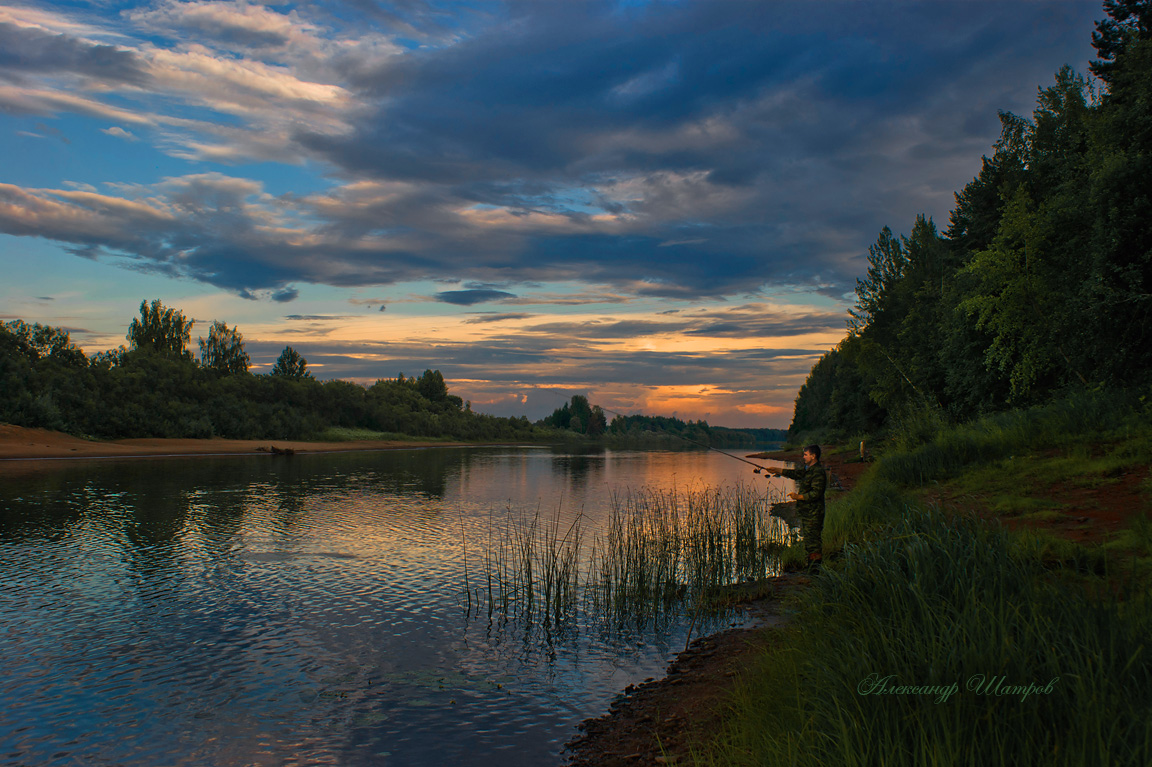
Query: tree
point(579, 416)
point(432, 387)
point(291, 365)
point(164, 331)
point(224, 350)
point(976, 217)
point(886, 264)
point(1010, 299)
point(1129, 21)
point(37, 342)
point(1120, 283)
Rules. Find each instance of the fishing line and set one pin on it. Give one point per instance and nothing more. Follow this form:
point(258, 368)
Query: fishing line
point(759, 469)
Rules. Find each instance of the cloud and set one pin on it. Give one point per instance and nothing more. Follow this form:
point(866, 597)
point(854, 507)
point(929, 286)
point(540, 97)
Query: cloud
point(182, 75)
point(750, 321)
point(27, 50)
point(684, 151)
point(484, 319)
point(119, 132)
point(237, 25)
point(471, 297)
point(546, 371)
point(315, 317)
point(284, 295)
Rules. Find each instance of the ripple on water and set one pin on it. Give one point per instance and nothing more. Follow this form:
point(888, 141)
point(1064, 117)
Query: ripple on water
point(305, 612)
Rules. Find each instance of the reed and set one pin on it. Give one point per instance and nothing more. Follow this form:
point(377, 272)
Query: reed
point(658, 552)
point(530, 569)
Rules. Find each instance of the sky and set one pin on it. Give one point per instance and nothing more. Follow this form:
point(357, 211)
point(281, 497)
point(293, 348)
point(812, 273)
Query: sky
point(663, 206)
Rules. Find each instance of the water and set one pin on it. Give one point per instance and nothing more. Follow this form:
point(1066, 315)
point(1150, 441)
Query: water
point(308, 610)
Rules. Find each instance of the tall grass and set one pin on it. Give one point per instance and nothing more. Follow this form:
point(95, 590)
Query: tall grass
point(658, 552)
point(348, 434)
point(938, 601)
point(531, 570)
point(948, 450)
point(666, 549)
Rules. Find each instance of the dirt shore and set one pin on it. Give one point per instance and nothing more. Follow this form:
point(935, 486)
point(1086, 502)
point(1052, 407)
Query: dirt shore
point(654, 723)
point(19, 443)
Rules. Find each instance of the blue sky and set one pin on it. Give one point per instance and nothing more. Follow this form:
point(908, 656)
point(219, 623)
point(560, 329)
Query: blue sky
point(663, 205)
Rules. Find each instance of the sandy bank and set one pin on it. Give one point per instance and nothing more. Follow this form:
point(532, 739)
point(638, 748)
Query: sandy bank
point(19, 443)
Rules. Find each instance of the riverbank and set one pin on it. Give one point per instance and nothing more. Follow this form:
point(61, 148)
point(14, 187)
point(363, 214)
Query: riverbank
point(661, 720)
point(1049, 506)
point(23, 444)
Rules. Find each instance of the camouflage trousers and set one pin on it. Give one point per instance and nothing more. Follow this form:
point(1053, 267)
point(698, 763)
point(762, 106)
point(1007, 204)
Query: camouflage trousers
point(812, 527)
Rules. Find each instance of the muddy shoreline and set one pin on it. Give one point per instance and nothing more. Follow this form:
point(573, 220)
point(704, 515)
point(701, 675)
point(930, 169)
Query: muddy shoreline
point(27, 446)
point(655, 722)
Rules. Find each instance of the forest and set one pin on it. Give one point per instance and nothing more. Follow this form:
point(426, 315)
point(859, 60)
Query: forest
point(1039, 288)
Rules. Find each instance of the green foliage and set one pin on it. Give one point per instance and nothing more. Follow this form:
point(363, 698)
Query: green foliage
point(642, 431)
point(659, 553)
point(933, 602)
point(152, 391)
point(834, 400)
point(578, 416)
point(160, 330)
point(351, 434)
point(1042, 283)
point(1088, 416)
point(291, 365)
point(1128, 22)
point(431, 386)
point(45, 378)
point(223, 351)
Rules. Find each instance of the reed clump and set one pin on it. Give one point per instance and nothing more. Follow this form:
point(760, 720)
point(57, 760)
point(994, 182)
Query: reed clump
point(658, 552)
point(666, 549)
point(531, 570)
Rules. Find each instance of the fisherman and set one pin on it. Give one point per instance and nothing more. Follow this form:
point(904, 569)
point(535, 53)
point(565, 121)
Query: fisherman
point(811, 481)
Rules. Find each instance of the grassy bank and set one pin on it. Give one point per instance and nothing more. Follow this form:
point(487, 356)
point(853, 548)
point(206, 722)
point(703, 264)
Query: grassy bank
point(937, 636)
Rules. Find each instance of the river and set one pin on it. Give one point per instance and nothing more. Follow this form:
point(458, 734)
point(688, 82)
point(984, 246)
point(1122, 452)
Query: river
point(257, 610)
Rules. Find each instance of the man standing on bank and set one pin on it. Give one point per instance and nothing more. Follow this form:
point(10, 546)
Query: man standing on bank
point(811, 481)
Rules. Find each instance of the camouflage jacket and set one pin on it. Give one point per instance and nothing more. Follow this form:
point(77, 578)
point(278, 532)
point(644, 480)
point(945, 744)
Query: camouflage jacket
point(811, 482)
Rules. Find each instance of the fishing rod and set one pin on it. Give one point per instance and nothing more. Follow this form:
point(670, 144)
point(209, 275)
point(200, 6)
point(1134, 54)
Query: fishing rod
point(759, 468)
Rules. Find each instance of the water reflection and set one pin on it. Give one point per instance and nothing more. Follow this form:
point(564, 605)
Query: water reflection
point(307, 610)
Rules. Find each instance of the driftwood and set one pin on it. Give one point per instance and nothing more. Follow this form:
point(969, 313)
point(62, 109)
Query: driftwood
point(276, 450)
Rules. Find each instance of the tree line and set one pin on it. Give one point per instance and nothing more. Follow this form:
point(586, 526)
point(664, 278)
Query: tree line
point(155, 387)
point(1042, 282)
point(580, 417)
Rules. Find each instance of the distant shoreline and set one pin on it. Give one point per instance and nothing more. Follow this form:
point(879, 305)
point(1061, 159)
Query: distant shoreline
point(26, 447)
point(18, 443)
